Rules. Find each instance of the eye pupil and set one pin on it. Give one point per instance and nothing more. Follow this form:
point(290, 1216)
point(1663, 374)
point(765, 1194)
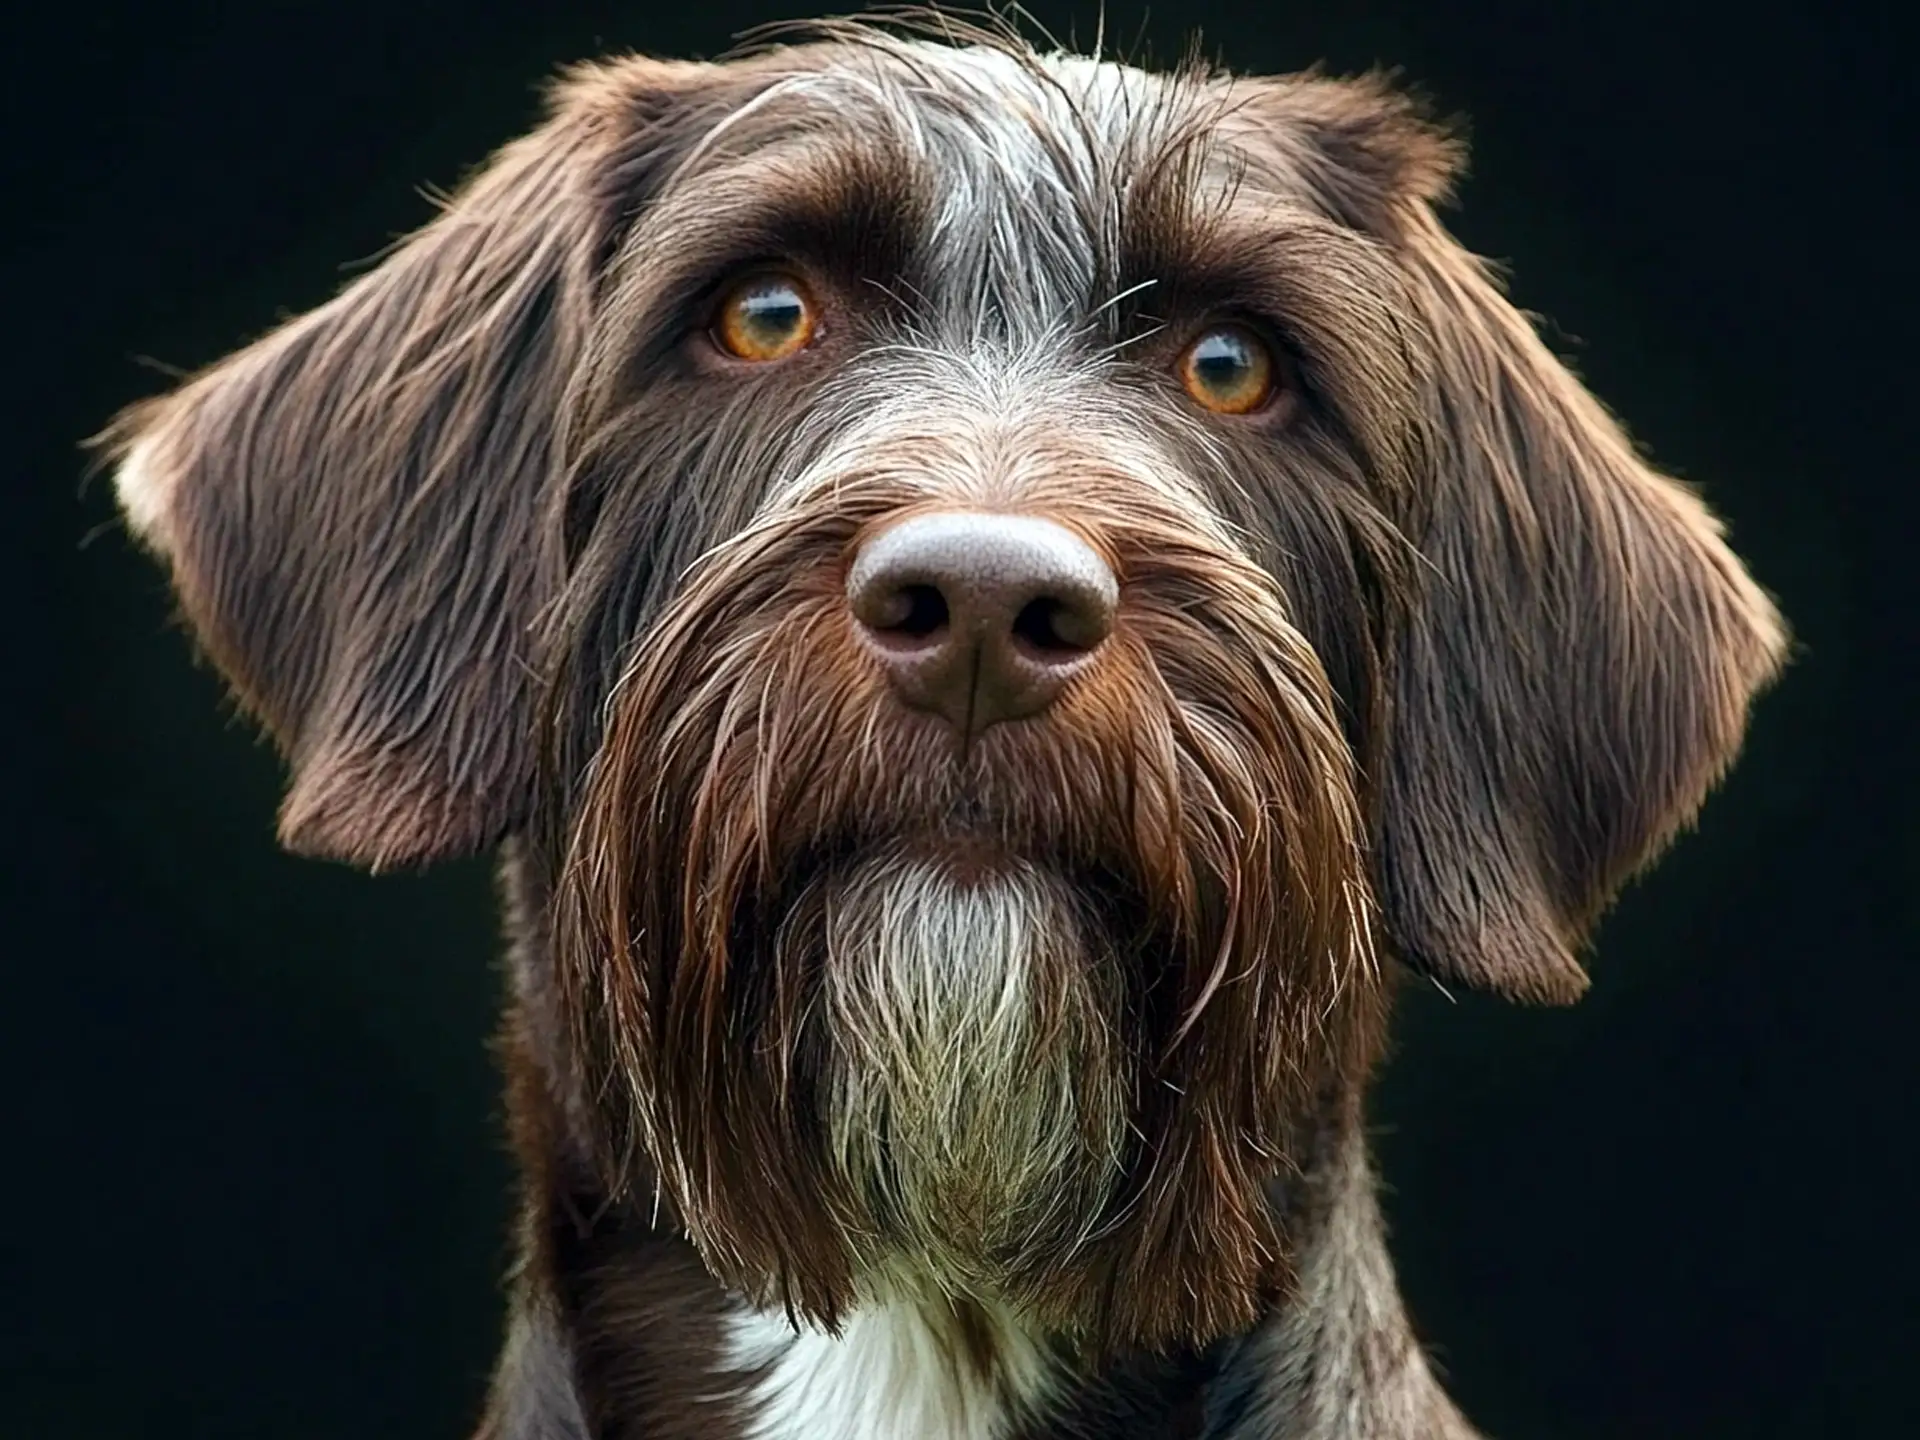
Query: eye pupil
point(774, 311)
point(1221, 357)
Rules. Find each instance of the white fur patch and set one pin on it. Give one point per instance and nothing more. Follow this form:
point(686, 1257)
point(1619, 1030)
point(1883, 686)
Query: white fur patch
point(897, 1371)
point(145, 487)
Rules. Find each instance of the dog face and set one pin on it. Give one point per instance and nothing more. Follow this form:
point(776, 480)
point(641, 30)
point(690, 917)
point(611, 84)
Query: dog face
point(999, 590)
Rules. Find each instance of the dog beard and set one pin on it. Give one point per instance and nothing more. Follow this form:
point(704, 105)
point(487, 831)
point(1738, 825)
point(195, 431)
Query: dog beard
point(976, 1105)
point(1043, 1013)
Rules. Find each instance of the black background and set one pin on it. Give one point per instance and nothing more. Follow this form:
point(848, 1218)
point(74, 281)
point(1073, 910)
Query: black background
point(253, 1181)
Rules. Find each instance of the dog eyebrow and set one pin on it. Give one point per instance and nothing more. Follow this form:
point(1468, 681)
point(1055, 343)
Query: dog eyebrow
point(851, 210)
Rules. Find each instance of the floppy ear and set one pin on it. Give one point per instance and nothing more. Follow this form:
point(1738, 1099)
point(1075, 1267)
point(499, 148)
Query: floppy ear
point(351, 507)
point(1575, 669)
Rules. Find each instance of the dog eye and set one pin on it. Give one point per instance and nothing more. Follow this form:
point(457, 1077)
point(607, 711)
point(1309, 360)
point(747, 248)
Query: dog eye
point(765, 318)
point(1229, 370)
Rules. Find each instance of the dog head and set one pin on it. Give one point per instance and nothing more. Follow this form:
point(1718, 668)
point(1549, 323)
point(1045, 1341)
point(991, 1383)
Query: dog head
point(1000, 590)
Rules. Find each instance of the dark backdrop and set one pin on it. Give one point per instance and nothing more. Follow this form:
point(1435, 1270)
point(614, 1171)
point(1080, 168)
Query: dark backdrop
point(254, 1185)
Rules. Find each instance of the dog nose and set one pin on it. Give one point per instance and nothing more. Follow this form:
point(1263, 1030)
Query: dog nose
point(981, 618)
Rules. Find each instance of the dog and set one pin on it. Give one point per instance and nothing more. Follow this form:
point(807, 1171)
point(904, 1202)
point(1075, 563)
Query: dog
point(994, 605)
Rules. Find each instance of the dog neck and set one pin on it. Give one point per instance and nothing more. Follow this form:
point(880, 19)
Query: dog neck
point(617, 1329)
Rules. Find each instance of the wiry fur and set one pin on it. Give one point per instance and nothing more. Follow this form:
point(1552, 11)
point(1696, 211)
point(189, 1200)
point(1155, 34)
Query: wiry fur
point(738, 767)
point(973, 1094)
point(865, 1081)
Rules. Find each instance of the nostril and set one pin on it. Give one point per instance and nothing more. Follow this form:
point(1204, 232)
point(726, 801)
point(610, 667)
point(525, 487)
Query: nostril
point(1050, 630)
point(924, 612)
point(909, 613)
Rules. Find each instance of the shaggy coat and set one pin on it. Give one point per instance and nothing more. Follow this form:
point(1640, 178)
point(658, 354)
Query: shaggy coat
point(871, 1079)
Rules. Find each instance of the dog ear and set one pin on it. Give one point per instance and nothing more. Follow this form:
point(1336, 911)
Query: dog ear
point(1575, 669)
point(1365, 151)
point(351, 507)
point(1576, 673)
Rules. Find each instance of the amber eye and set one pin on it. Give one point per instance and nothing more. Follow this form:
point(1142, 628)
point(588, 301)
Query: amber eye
point(765, 318)
point(1228, 369)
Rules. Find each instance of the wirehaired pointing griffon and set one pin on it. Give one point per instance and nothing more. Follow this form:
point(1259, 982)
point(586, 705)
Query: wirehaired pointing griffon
point(990, 603)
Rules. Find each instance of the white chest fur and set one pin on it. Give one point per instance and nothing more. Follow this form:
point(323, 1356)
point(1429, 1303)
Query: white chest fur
point(896, 1371)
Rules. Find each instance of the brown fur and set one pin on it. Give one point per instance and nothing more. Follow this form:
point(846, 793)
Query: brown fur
point(1419, 668)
